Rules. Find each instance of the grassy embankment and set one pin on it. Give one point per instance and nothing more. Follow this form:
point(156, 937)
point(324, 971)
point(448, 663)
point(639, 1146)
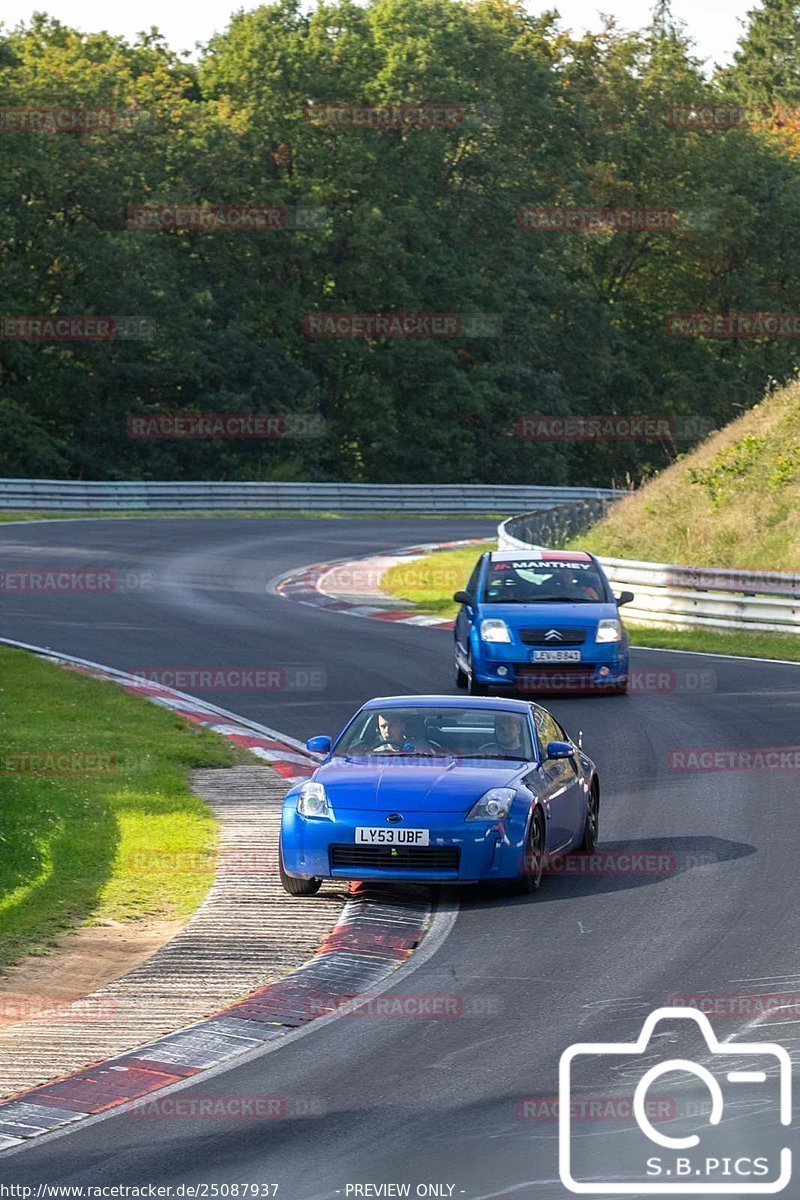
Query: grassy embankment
point(733, 502)
point(121, 843)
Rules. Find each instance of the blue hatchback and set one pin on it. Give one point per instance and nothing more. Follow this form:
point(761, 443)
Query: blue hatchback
point(540, 621)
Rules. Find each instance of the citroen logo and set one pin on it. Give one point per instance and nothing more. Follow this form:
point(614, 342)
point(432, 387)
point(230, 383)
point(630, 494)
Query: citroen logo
point(394, 818)
point(553, 635)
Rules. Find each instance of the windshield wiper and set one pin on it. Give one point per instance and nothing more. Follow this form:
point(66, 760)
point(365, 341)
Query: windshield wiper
point(548, 600)
point(558, 600)
point(508, 757)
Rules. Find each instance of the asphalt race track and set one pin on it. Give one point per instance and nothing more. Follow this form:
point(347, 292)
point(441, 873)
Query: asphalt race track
point(436, 1101)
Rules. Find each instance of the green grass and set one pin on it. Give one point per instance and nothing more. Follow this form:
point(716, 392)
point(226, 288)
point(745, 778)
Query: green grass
point(307, 514)
point(718, 641)
point(733, 502)
point(429, 583)
point(80, 847)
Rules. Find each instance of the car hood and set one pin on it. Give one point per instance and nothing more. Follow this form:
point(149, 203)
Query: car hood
point(534, 616)
point(444, 785)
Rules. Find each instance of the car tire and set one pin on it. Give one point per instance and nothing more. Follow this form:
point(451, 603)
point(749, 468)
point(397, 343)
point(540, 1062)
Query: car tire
point(462, 679)
point(590, 829)
point(297, 887)
point(474, 686)
point(533, 868)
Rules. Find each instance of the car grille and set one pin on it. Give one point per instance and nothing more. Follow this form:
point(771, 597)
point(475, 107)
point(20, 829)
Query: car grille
point(393, 858)
point(536, 637)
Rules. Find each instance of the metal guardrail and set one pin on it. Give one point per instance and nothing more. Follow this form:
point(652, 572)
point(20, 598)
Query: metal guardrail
point(678, 596)
point(61, 495)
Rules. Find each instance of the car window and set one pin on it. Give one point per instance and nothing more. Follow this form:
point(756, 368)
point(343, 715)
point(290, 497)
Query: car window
point(533, 580)
point(472, 586)
point(547, 728)
point(467, 732)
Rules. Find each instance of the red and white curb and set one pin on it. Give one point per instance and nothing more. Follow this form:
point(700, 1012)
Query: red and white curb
point(285, 754)
point(353, 586)
point(377, 932)
point(374, 937)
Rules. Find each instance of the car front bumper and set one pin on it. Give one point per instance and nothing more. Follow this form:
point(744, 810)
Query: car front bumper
point(458, 851)
point(601, 667)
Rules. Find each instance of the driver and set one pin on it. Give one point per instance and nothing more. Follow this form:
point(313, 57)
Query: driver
point(394, 736)
point(508, 739)
point(575, 585)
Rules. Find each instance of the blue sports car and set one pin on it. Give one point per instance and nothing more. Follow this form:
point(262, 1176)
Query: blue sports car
point(440, 789)
point(539, 621)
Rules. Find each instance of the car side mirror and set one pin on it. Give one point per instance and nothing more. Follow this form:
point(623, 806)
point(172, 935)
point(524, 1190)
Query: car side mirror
point(560, 750)
point(625, 598)
point(319, 745)
point(463, 598)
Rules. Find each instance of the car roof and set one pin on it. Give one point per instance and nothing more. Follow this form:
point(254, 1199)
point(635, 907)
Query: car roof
point(505, 703)
point(540, 553)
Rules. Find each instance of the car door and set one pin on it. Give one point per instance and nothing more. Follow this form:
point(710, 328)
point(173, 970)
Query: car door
point(464, 618)
point(565, 796)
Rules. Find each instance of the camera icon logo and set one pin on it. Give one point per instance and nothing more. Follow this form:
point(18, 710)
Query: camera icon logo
point(744, 1070)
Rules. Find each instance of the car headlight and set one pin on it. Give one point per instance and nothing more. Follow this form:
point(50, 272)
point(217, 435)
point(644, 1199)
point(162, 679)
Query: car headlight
point(493, 805)
point(609, 630)
point(313, 802)
point(494, 630)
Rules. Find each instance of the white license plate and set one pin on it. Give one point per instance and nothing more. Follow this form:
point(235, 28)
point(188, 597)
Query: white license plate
point(556, 656)
point(392, 837)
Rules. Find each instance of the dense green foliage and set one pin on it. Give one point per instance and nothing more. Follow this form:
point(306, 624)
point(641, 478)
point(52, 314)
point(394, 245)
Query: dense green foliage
point(413, 220)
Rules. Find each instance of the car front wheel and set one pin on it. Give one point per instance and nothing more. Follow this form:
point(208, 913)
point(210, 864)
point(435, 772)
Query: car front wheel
point(590, 829)
point(474, 686)
point(297, 887)
point(533, 866)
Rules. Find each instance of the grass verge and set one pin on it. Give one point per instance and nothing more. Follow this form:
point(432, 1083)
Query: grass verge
point(733, 501)
point(429, 583)
point(95, 846)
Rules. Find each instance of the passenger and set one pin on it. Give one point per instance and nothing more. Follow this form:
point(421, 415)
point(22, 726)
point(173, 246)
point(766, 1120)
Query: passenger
point(508, 738)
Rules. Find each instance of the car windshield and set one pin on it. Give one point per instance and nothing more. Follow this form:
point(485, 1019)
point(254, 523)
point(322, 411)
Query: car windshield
point(539, 581)
point(435, 732)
